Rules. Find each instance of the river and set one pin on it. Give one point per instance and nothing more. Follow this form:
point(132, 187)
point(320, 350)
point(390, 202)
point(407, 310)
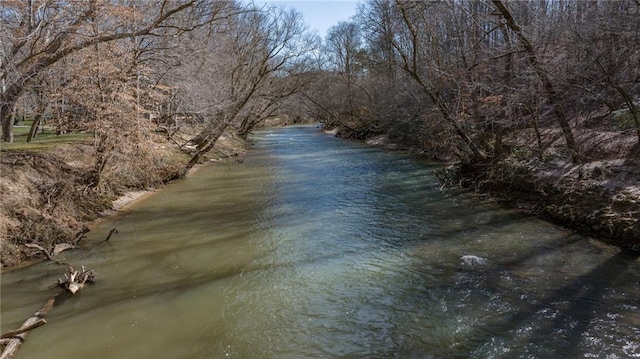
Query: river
point(316, 247)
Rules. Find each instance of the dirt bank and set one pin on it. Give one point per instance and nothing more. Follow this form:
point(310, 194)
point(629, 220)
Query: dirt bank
point(45, 198)
point(599, 198)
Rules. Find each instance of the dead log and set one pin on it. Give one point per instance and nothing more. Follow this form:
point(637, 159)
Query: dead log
point(62, 247)
point(23, 329)
point(81, 235)
point(74, 281)
point(114, 230)
point(16, 337)
point(46, 253)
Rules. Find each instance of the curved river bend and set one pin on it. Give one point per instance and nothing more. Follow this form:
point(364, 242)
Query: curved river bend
point(316, 247)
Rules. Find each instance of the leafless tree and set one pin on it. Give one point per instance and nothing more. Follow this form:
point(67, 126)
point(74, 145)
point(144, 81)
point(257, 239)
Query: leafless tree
point(267, 48)
point(548, 86)
point(38, 33)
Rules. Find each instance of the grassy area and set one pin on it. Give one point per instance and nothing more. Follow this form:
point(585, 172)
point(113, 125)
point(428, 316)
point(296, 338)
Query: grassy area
point(45, 139)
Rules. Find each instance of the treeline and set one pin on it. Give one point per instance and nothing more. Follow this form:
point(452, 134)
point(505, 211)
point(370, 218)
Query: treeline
point(121, 70)
point(459, 78)
point(470, 78)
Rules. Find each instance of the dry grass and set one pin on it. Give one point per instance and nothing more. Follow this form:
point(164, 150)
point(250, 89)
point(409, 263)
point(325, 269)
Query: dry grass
point(45, 198)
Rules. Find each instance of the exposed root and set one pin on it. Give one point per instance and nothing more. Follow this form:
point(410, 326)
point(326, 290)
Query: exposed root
point(74, 280)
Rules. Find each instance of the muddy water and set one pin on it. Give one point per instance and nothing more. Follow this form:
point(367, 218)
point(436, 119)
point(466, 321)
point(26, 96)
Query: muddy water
point(320, 248)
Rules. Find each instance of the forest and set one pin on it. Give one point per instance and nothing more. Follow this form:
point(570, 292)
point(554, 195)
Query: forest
point(536, 102)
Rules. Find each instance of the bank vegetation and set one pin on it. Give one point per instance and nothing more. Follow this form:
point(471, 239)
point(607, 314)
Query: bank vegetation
point(101, 97)
point(536, 102)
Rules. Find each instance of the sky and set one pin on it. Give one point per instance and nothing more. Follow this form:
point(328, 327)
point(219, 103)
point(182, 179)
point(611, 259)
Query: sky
point(320, 15)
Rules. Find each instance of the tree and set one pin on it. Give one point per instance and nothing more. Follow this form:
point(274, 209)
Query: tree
point(421, 53)
point(605, 63)
point(376, 20)
point(265, 48)
point(548, 86)
point(38, 33)
point(343, 45)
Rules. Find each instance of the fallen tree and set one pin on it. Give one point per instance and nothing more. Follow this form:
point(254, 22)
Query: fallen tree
point(73, 282)
point(14, 338)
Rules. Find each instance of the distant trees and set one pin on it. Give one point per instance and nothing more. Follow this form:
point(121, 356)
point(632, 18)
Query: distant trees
point(470, 74)
point(344, 62)
point(548, 86)
point(344, 47)
point(604, 43)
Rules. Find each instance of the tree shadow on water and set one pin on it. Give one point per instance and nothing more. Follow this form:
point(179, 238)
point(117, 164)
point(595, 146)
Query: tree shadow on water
point(557, 323)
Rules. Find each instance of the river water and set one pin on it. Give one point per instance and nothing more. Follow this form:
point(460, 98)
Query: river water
point(315, 247)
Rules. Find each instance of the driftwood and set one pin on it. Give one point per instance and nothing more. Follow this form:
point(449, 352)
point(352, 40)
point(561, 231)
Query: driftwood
point(46, 253)
point(114, 230)
point(75, 280)
point(14, 338)
point(23, 329)
point(59, 248)
point(81, 235)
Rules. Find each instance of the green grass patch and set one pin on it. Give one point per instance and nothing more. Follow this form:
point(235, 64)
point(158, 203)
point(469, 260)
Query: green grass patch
point(43, 141)
point(20, 130)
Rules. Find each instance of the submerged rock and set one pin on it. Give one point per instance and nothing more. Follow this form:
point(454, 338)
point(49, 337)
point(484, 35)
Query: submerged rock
point(471, 260)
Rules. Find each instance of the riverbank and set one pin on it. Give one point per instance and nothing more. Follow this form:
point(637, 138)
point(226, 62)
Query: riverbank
point(599, 197)
point(351, 241)
point(46, 200)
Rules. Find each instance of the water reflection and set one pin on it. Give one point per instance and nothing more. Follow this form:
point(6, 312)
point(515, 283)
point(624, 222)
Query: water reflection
point(317, 247)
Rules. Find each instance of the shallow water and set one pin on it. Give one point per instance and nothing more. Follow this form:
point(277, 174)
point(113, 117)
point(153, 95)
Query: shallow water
point(316, 247)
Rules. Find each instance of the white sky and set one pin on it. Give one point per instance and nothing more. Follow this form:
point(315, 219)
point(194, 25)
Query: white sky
point(320, 14)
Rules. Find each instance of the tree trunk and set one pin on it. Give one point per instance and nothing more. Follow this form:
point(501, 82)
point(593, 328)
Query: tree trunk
point(14, 344)
point(245, 129)
point(8, 101)
point(74, 281)
point(410, 64)
point(6, 116)
point(42, 106)
point(33, 131)
point(536, 129)
point(628, 100)
point(549, 89)
point(23, 329)
point(102, 156)
point(206, 140)
point(205, 145)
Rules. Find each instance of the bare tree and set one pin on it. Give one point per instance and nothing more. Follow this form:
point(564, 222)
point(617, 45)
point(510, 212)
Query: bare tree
point(265, 46)
point(421, 55)
point(605, 63)
point(548, 86)
point(38, 33)
point(347, 57)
